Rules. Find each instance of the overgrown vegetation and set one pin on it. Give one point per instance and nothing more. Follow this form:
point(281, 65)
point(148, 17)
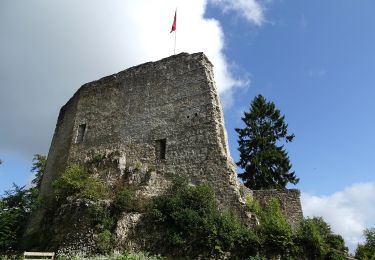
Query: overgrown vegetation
point(316, 240)
point(253, 205)
point(16, 206)
point(84, 196)
point(118, 256)
point(190, 224)
point(366, 251)
point(77, 181)
point(185, 222)
point(275, 233)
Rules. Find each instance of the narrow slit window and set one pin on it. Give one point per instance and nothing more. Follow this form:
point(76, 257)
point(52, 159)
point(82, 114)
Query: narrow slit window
point(160, 149)
point(81, 133)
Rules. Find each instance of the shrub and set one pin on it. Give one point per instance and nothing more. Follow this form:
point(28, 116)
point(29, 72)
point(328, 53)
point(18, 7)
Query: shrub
point(104, 242)
point(76, 180)
point(316, 240)
point(191, 224)
point(100, 217)
point(125, 200)
point(15, 207)
point(276, 234)
point(253, 205)
point(367, 249)
point(310, 240)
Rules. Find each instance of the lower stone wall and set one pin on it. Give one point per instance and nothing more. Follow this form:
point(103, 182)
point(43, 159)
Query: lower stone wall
point(289, 201)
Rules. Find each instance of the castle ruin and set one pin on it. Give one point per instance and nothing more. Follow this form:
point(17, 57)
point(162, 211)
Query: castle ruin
point(165, 115)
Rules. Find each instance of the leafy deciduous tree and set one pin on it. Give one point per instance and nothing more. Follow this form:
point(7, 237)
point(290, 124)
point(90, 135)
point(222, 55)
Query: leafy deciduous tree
point(15, 207)
point(367, 250)
point(317, 241)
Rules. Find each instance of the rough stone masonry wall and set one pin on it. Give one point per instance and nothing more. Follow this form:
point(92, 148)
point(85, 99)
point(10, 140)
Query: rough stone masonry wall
point(289, 201)
point(171, 103)
point(174, 99)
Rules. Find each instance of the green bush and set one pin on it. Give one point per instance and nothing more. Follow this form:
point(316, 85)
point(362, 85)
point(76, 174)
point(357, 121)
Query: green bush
point(367, 249)
point(8, 230)
point(233, 236)
point(275, 232)
point(76, 180)
point(253, 205)
point(15, 207)
point(192, 225)
point(104, 242)
point(101, 217)
point(310, 240)
point(315, 240)
point(117, 256)
point(125, 200)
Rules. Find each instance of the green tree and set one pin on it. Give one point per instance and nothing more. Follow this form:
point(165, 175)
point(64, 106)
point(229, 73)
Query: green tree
point(367, 250)
point(310, 240)
point(38, 168)
point(16, 205)
point(261, 144)
point(316, 240)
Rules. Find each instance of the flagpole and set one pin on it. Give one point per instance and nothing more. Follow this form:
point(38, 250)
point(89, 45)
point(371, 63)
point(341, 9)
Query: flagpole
point(175, 33)
point(175, 37)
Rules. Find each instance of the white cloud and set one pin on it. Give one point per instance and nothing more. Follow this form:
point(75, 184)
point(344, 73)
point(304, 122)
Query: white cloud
point(251, 10)
point(348, 212)
point(49, 48)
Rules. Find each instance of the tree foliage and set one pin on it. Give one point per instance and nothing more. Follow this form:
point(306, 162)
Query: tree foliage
point(367, 249)
point(276, 233)
point(316, 240)
point(262, 155)
point(191, 224)
point(38, 168)
point(187, 220)
point(16, 206)
point(313, 240)
point(77, 181)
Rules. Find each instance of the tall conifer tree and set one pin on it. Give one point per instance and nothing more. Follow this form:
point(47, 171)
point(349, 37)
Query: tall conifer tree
point(261, 144)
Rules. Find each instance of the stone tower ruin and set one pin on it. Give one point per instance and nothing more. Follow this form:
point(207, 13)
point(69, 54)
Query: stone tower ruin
point(165, 114)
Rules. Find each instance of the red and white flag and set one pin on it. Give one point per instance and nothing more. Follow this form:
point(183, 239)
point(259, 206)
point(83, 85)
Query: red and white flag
point(174, 22)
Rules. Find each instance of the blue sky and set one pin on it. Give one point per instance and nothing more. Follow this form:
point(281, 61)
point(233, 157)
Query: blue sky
point(314, 59)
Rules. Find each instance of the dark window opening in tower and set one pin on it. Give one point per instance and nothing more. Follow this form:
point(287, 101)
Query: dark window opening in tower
point(81, 133)
point(160, 149)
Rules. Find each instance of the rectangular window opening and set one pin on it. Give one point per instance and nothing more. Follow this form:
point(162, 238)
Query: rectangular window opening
point(81, 133)
point(160, 148)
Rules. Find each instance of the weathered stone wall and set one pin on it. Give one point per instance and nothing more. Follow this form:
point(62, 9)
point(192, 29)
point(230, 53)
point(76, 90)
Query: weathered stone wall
point(61, 144)
point(174, 99)
point(163, 115)
point(289, 201)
